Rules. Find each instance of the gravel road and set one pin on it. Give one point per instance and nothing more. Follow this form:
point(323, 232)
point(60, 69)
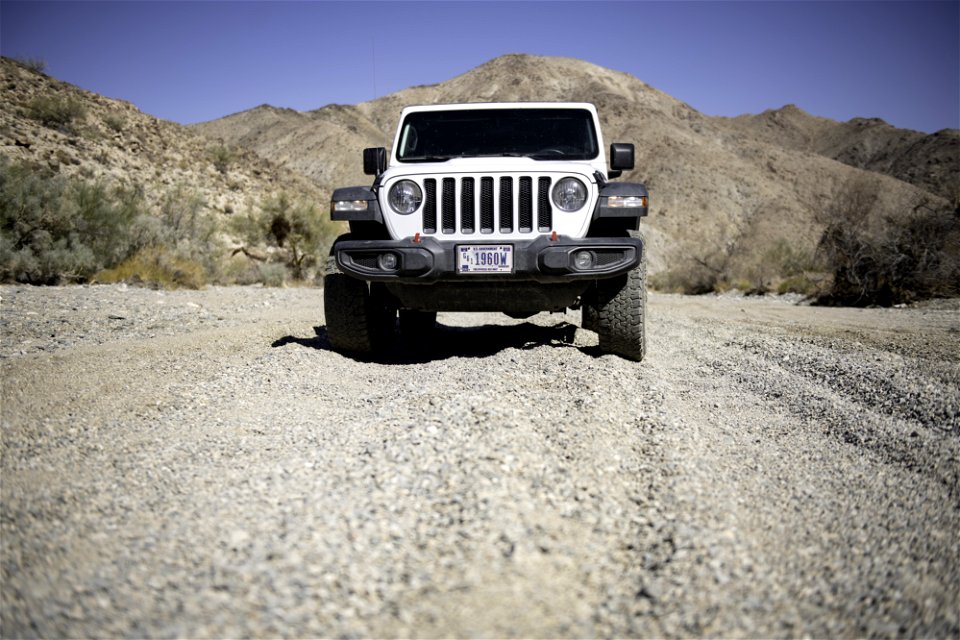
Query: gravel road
point(201, 464)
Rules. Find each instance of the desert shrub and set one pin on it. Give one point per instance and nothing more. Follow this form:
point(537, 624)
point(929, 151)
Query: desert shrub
point(271, 274)
point(805, 284)
point(156, 267)
point(56, 113)
point(691, 277)
point(884, 258)
point(115, 123)
point(37, 65)
point(222, 157)
point(773, 263)
point(56, 230)
point(295, 233)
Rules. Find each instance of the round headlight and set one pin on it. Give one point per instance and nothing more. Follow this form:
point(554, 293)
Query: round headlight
point(569, 194)
point(405, 197)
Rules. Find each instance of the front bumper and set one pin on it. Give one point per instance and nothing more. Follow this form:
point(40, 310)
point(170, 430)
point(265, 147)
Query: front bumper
point(544, 259)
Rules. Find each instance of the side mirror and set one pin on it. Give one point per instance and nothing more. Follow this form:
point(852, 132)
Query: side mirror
point(621, 156)
point(374, 161)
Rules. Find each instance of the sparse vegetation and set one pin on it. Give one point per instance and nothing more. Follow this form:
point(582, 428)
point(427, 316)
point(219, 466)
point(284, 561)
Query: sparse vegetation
point(115, 122)
point(157, 267)
point(884, 258)
point(58, 230)
point(61, 114)
point(222, 157)
point(751, 262)
point(295, 233)
point(37, 65)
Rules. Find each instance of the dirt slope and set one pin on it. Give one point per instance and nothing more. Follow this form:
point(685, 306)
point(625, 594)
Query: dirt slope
point(200, 464)
point(114, 142)
point(929, 161)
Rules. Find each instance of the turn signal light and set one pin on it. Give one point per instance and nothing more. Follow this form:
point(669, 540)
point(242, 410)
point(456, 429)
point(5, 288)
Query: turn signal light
point(627, 202)
point(350, 205)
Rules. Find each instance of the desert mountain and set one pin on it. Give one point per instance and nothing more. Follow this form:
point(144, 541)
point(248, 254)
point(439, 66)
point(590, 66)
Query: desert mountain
point(929, 161)
point(60, 127)
point(716, 183)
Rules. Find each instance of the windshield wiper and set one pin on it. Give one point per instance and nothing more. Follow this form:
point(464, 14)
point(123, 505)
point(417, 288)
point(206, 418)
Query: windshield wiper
point(427, 158)
point(502, 154)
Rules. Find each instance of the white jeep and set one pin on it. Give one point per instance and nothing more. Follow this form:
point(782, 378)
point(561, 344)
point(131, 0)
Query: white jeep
point(490, 207)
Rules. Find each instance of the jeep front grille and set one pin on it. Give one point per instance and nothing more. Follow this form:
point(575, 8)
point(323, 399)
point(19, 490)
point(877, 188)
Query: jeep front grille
point(468, 207)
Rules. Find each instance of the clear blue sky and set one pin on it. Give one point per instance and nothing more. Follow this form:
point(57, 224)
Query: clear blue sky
point(194, 61)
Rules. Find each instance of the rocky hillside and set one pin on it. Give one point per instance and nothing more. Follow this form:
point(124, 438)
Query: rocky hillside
point(77, 133)
point(718, 184)
point(929, 161)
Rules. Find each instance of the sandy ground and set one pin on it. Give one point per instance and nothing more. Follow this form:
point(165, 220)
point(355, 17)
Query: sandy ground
point(201, 464)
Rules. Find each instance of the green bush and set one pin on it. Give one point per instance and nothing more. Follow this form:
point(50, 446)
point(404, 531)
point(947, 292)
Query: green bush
point(222, 157)
point(57, 230)
point(56, 113)
point(296, 234)
point(54, 230)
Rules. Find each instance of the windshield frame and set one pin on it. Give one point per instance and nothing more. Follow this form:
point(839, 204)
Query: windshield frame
point(469, 134)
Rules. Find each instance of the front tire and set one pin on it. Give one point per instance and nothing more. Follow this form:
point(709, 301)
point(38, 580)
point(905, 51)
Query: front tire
point(359, 318)
point(621, 311)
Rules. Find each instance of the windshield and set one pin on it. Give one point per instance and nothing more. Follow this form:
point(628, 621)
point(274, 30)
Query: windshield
point(541, 134)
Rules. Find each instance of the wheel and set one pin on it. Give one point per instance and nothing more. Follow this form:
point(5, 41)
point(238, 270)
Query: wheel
point(621, 311)
point(416, 326)
point(359, 318)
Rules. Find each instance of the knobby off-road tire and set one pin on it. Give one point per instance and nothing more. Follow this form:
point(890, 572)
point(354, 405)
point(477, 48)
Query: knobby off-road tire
point(621, 310)
point(359, 318)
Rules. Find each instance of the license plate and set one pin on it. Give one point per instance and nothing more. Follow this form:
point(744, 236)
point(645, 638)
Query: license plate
point(485, 258)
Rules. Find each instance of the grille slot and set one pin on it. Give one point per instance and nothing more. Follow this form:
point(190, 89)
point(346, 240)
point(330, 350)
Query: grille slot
point(466, 206)
point(525, 222)
point(448, 212)
point(544, 210)
point(605, 257)
point(366, 260)
point(486, 205)
point(506, 205)
point(430, 206)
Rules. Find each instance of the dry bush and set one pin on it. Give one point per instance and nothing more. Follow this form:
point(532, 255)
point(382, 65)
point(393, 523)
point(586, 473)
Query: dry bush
point(295, 233)
point(61, 114)
point(37, 65)
point(756, 257)
point(156, 267)
point(883, 258)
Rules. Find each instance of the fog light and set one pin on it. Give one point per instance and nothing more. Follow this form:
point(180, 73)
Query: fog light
point(582, 260)
point(387, 261)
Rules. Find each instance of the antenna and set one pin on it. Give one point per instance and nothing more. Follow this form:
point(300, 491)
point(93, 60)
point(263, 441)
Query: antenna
point(373, 55)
